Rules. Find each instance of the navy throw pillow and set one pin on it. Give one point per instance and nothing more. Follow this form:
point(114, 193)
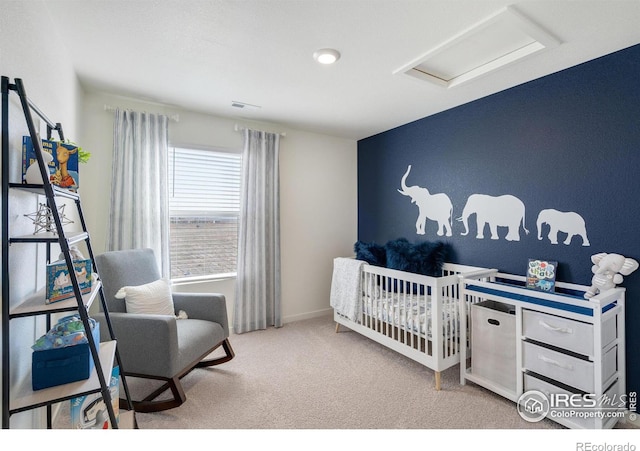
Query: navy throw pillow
point(430, 258)
point(399, 255)
point(422, 258)
point(372, 253)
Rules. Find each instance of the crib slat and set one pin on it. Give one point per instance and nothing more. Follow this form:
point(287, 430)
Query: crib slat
point(400, 306)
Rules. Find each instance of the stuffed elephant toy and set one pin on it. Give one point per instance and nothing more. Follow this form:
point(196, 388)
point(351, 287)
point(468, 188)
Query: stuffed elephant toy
point(608, 270)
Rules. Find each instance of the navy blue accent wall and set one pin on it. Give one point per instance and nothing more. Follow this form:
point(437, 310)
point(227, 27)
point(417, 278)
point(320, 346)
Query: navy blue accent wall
point(568, 141)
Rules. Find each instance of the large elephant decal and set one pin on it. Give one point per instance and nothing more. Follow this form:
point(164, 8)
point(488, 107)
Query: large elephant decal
point(568, 222)
point(437, 207)
point(501, 211)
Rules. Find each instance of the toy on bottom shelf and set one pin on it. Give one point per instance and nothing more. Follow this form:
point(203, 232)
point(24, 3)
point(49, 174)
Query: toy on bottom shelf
point(608, 270)
point(90, 411)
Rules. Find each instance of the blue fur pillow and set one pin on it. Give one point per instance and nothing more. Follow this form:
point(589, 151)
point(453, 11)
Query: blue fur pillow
point(423, 258)
point(399, 254)
point(431, 257)
point(372, 253)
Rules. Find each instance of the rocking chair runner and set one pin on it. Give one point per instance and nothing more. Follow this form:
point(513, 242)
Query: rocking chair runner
point(161, 347)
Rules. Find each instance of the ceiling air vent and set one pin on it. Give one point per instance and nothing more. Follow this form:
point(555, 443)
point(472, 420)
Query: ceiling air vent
point(236, 104)
point(501, 39)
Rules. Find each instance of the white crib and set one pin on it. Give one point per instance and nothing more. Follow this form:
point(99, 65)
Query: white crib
point(415, 315)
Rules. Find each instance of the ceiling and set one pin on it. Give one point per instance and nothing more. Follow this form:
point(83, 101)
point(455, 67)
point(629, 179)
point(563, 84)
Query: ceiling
point(203, 55)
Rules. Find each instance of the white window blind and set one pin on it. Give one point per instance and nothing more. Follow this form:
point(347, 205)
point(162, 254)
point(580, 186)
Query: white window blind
point(204, 203)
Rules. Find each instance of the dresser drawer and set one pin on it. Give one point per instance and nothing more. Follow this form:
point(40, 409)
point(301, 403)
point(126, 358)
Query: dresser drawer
point(587, 422)
point(565, 333)
point(567, 369)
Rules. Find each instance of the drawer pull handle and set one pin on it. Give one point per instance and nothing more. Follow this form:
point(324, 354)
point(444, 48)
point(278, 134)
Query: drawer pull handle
point(564, 330)
point(555, 362)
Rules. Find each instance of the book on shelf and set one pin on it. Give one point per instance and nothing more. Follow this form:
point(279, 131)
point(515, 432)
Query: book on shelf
point(90, 411)
point(541, 274)
point(58, 280)
point(61, 159)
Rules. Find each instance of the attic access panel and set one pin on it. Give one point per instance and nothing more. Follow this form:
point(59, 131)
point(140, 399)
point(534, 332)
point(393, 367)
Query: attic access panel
point(501, 39)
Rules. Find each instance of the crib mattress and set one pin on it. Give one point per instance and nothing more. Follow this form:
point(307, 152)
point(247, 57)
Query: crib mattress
point(409, 311)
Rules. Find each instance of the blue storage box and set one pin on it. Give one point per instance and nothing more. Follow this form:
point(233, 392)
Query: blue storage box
point(60, 366)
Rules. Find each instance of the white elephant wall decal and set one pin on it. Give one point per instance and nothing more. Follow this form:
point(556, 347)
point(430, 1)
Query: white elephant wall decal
point(568, 222)
point(437, 207)
point(497, 211)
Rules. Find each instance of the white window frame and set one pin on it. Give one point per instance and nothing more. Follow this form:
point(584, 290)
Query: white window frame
point(212, 276)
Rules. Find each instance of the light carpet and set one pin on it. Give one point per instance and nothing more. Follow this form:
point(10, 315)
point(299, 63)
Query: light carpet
point(306, 376)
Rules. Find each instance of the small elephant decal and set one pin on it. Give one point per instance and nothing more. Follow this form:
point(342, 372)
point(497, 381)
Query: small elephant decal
point(568, 222)
point(437, 207)
point(608, 270)
point(501, 211)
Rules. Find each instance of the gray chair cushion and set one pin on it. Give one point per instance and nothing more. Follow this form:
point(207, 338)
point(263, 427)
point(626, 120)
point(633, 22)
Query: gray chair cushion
point(122, 268)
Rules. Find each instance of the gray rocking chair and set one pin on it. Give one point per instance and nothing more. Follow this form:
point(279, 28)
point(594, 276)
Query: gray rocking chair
point(160, 346)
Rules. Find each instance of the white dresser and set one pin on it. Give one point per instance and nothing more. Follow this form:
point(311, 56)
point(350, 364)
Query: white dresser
point(569, 350)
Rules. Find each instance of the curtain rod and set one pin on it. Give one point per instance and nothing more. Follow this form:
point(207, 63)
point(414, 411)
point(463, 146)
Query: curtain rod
point(111, 109)
point(239, 129)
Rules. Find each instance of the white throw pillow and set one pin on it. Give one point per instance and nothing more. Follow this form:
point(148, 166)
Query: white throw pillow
point(152, 298)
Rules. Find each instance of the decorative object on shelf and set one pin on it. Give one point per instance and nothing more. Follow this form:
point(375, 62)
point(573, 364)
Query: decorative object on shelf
point(59, 285)
point(74, 252)
point(83, 155)
point(63, 166)
point(90, 411)
point(68, 331)
point(43, 219)
point(541, 275)
point(608, 270)
point(32, 174)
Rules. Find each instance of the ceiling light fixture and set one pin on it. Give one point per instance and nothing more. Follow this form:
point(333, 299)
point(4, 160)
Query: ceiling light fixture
point(326, 56)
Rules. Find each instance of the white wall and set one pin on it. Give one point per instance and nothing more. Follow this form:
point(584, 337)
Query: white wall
point(29, 50)
point(318, 195)
point(318, 177)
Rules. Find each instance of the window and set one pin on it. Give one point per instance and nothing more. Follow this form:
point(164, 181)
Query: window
point(204, 204)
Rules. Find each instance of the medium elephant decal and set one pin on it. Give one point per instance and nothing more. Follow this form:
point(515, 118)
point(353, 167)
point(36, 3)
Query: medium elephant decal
point(501, 211)
point(437, 207)
point(568, 222)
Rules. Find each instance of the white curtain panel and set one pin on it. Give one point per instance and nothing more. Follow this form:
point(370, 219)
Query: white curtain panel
point(257, 299)
point(139, 214)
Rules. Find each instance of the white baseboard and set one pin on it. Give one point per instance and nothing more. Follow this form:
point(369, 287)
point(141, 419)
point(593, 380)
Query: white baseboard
point(300, 317)
point(309, 315)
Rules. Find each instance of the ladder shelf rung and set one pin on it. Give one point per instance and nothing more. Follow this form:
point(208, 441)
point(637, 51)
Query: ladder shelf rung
point(39, 189)
point(50, 237)
point(36, 304)
point(17, 395)
point(25, 398)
